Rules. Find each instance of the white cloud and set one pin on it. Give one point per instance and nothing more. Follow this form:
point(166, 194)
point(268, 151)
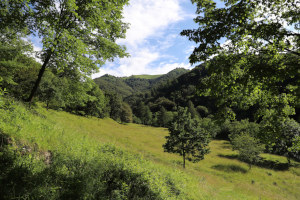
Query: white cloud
point(128, 70)
point(148, 38)
point(149, 19)
point(141, 64)
point(189, 50)
point(136, 64)
point(165, 68)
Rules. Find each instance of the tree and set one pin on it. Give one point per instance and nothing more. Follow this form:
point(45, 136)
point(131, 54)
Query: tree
point(250, 25)
point(202, 110)
point(236, 128)
point(95, 105)
point(192, 110)
point(148, 116)
point(258, 65)
point(50, 91)
point(115, 104)
point(164, 117)
point(126, 113)
point(249, 148)
point(18, 68)
point(187, 138)
point(141, 111)
point(285, 145)
point(75, 34)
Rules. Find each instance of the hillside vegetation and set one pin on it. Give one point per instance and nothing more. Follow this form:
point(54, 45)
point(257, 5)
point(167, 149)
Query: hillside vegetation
point(126, 86)
point(85, 161)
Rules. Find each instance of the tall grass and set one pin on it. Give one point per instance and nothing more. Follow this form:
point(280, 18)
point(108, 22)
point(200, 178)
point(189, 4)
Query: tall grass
point(118, 161)
point(80, 166)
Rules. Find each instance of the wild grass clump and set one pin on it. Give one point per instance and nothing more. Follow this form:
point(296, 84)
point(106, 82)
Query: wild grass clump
point(40, 160)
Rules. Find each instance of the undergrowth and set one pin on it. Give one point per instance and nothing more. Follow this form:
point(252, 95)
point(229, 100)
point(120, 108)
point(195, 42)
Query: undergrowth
point(40, 160)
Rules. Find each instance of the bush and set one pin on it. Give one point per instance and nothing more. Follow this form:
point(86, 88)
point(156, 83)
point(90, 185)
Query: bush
point(24, 177)
point(136, 120)
point(287, 143)
point(203, 111)
point(244, 126)
point(210, 126)
point(113, 174)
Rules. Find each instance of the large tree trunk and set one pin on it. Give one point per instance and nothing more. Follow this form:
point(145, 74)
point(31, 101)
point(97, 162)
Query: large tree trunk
point(38, 80)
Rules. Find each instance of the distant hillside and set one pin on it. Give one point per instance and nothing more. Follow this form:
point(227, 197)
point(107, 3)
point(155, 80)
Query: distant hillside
point(144, 76)
point(182, 89)
point(110, 83)
point(127, 86)
point(169, 93)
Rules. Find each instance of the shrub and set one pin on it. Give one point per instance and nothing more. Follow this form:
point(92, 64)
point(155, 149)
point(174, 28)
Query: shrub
point(210, 126)
point(136, 120)
point(287, 144)
point(203, 111)
point(244, 126)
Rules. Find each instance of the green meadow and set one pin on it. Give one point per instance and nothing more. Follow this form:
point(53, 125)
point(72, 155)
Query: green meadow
point(219, 176)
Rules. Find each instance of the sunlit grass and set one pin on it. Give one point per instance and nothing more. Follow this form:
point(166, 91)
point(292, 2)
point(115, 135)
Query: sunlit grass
point(219, 176)
point(222, 175)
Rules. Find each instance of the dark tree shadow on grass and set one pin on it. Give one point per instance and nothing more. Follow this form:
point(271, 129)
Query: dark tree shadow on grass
point(230, 168)
point(226, 145)
point(231, 156)
point(264, 163)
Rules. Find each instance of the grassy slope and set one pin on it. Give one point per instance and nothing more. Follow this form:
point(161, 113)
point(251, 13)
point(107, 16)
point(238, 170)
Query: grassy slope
point(220, 175)
point(116, 172)
point(144, 76)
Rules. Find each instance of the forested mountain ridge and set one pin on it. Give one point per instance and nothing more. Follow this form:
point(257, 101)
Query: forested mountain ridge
point(158, 105)
point(126, 86)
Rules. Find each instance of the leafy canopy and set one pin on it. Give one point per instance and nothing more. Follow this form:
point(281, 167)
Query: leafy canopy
point(76, 34)
point(259, 63)
point(257, 68)
point(81, 33)
point(249, 25)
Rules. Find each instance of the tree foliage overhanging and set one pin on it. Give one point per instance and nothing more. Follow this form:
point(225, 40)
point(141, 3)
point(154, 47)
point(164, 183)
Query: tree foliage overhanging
point(257, 68)
point(75, 34)
point(259, 63)
point(249, 25)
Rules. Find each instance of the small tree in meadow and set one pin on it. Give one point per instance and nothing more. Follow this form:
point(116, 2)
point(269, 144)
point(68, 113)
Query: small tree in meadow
point(248, 147)
point(187, 138)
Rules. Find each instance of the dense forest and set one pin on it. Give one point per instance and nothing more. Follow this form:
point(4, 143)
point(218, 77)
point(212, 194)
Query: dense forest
point(245, 91)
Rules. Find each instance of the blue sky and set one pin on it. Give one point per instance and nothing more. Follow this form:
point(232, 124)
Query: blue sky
point(153, 40)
